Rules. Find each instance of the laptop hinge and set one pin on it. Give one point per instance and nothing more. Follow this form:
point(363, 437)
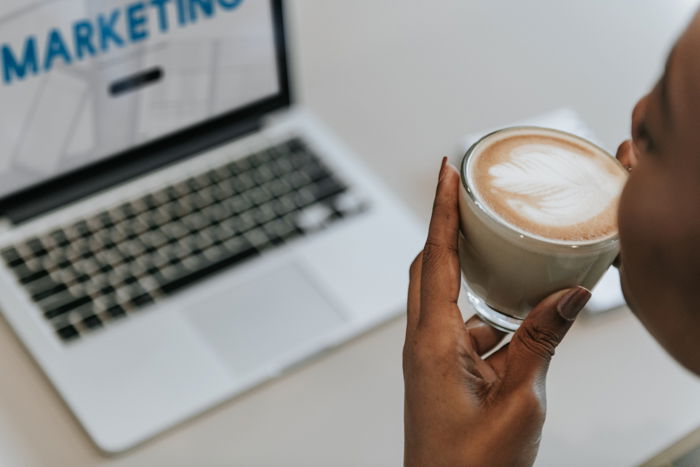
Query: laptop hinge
point(27, 204)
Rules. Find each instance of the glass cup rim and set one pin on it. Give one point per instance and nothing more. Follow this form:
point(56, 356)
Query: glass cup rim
point(513, 230)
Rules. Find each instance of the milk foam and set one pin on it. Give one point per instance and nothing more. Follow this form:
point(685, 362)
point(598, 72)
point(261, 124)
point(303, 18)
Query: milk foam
point(549, 185)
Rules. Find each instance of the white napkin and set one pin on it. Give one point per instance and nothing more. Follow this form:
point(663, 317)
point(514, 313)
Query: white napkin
point(607, 294)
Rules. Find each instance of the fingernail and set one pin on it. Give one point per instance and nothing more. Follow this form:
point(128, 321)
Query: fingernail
point(573, 302)
point(442, 169)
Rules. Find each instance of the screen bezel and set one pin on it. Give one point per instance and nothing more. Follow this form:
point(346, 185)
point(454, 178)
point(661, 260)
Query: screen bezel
point(37, 196)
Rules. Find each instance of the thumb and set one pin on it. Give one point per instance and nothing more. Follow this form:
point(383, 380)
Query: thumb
point(534, 342)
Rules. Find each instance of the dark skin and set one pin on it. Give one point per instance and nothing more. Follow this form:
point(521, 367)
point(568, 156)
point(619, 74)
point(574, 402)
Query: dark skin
point(462, 409)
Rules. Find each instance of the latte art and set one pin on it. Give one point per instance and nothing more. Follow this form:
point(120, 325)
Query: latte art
point(552, 186)
point(549, 185)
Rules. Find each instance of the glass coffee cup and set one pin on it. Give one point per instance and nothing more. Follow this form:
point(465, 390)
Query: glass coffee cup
point(538, 213)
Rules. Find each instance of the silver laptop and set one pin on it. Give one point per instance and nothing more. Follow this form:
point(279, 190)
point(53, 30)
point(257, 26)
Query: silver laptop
point(174, 232)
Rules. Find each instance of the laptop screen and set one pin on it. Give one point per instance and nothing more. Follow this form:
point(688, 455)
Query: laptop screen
point(81, 80)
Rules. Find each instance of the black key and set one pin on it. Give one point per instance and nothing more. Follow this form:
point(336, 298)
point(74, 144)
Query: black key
point(61, 303)
point(279, 229)
point(235, 245)
point(263, 214)
point(107, 289)
point(12, 257)
point(170, 210)
point(127, 210)
point(182, 188)
point(67, 332)
point(205, 179)
point(243, 182)
point(282, 206)
point(92, 322)
point(277, 152)
point(171, 193)
point(150, 201)
point(296, 145)
point(41, 285)
point(87, 253)
point(259, 195)
point(217, 213)
point(109, 244)
point(193, 185)
point(217, 193)
point(201, 201)
point(59, 237)
point(26, 275)
point(262, 175)
point(105, 219)
point(82, 228)
point(82, 277)
point(239, 203)
point(297, 179)
point(259, 158)
point(139, 206)
point(327, 188)
point(300, 159)
point(278, 187)
point(221, 174)
point(115, 311)
point(135, 290)
point(281, 167)
point(141, 300)
point(244, 222)
point(258, 238)
point(239, 166)
point(184, 278)
point(36, 247)
point(46, 289)
point(316, 171)
point(130, 280)
point(303, 197)
point(183, 206)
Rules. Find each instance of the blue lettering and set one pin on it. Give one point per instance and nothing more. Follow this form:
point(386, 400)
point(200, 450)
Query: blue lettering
point(11, 67)
point(162, 13)
point(55, 48)
point(107, 32)
point(230, 4)
point(181, 13)
point(82, 32)
point(206, 6)
point(104, 33)
point(136, 22)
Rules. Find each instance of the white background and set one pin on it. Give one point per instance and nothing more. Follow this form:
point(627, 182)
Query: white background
point(402, 82)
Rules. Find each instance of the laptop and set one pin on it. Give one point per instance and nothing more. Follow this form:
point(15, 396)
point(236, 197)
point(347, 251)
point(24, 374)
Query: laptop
point(174, 231)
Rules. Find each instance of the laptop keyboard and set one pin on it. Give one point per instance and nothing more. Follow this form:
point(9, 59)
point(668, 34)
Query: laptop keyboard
point(87, 273)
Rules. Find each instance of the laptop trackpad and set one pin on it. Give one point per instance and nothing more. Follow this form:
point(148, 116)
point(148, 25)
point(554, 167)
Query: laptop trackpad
point(265, 319)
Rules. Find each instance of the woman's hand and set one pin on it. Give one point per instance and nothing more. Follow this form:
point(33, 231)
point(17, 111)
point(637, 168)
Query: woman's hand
point(460, 409)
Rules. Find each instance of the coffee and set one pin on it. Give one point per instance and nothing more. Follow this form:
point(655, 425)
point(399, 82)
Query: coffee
point(538, 214)
point(546, 185)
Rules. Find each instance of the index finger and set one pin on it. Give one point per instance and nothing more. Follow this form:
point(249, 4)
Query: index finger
point(440, 270)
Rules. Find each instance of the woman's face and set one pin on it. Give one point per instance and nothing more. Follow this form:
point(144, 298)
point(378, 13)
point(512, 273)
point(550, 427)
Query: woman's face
point(659, 211)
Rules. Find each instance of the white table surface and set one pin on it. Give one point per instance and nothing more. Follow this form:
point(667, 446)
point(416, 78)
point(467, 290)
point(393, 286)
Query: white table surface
point(402, 82)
